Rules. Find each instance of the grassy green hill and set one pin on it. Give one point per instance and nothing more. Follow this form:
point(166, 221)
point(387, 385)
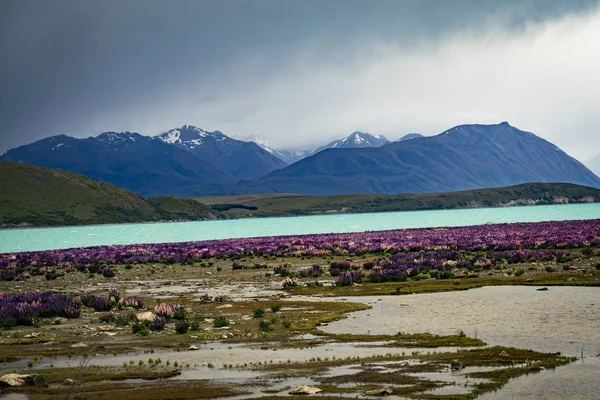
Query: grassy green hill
point(271, 204)
point(37, 196)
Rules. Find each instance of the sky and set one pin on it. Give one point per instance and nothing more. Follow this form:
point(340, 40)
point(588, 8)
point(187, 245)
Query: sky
point(299, 73)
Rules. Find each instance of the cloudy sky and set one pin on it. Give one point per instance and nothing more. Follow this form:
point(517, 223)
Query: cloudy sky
point(299, 73)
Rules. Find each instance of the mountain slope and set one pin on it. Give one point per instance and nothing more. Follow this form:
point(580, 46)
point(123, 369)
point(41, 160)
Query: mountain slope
point(286, 155)
point(249, 162)
point(594, 165)
point(464, 157)
point(143, 164)
point(410, 136)
point(244, 160)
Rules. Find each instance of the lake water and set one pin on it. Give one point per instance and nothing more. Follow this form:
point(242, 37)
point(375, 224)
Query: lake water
point(29, 239)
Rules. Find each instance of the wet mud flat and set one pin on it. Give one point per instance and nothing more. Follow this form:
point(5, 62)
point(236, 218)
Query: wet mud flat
point(247, 332)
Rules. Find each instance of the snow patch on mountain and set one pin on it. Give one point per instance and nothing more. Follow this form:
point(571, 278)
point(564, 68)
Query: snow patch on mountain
point(355, 140)
point(171, 137)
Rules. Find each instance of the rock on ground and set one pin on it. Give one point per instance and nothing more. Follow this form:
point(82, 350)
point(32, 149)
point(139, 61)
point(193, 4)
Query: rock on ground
point(11, 380)
point(305, 390)
point(379, 392)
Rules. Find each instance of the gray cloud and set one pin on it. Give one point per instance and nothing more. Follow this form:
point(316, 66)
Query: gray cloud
point(299, 72)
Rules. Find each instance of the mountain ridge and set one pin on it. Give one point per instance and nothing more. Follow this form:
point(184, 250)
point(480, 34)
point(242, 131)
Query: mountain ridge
point(464, 157)
point(354, 140)
point(594, 164)
point(250, 161)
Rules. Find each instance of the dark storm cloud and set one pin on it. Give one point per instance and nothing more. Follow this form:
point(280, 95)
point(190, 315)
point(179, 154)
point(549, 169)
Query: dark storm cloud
point(83, 67)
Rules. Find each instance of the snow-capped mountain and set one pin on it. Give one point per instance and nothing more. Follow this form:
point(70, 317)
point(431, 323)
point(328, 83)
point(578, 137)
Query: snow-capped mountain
point(355, 140)
point(200, 142)
point(119, 141)
point(244, 160)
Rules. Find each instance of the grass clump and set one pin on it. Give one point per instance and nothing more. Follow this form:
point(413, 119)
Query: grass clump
point(258, 313)
point(220, 322)
point(275, 308)
point(140, 328)
point(265, 326)
point(182, 327)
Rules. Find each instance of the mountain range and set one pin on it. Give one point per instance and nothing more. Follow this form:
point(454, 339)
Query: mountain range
point(190, 161)
point(464, 157)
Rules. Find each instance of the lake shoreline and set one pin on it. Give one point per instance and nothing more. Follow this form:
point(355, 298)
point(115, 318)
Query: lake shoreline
point(26, 225)
point(37, 239)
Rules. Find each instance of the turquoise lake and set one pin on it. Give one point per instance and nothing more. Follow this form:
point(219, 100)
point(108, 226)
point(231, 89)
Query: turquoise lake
point(28, 239)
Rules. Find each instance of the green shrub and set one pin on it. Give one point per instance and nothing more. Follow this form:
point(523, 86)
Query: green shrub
point(140, 328)
point(265, 326)
point(258, 313)
point(519, 272)
point(195, 325)
point(220, 322)
point(275, 308)
point(182, 327)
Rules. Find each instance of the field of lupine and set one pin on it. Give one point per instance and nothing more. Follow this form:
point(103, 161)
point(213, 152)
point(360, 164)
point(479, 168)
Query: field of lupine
point(395, 256)
point(27, 309)
point(405, 253)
